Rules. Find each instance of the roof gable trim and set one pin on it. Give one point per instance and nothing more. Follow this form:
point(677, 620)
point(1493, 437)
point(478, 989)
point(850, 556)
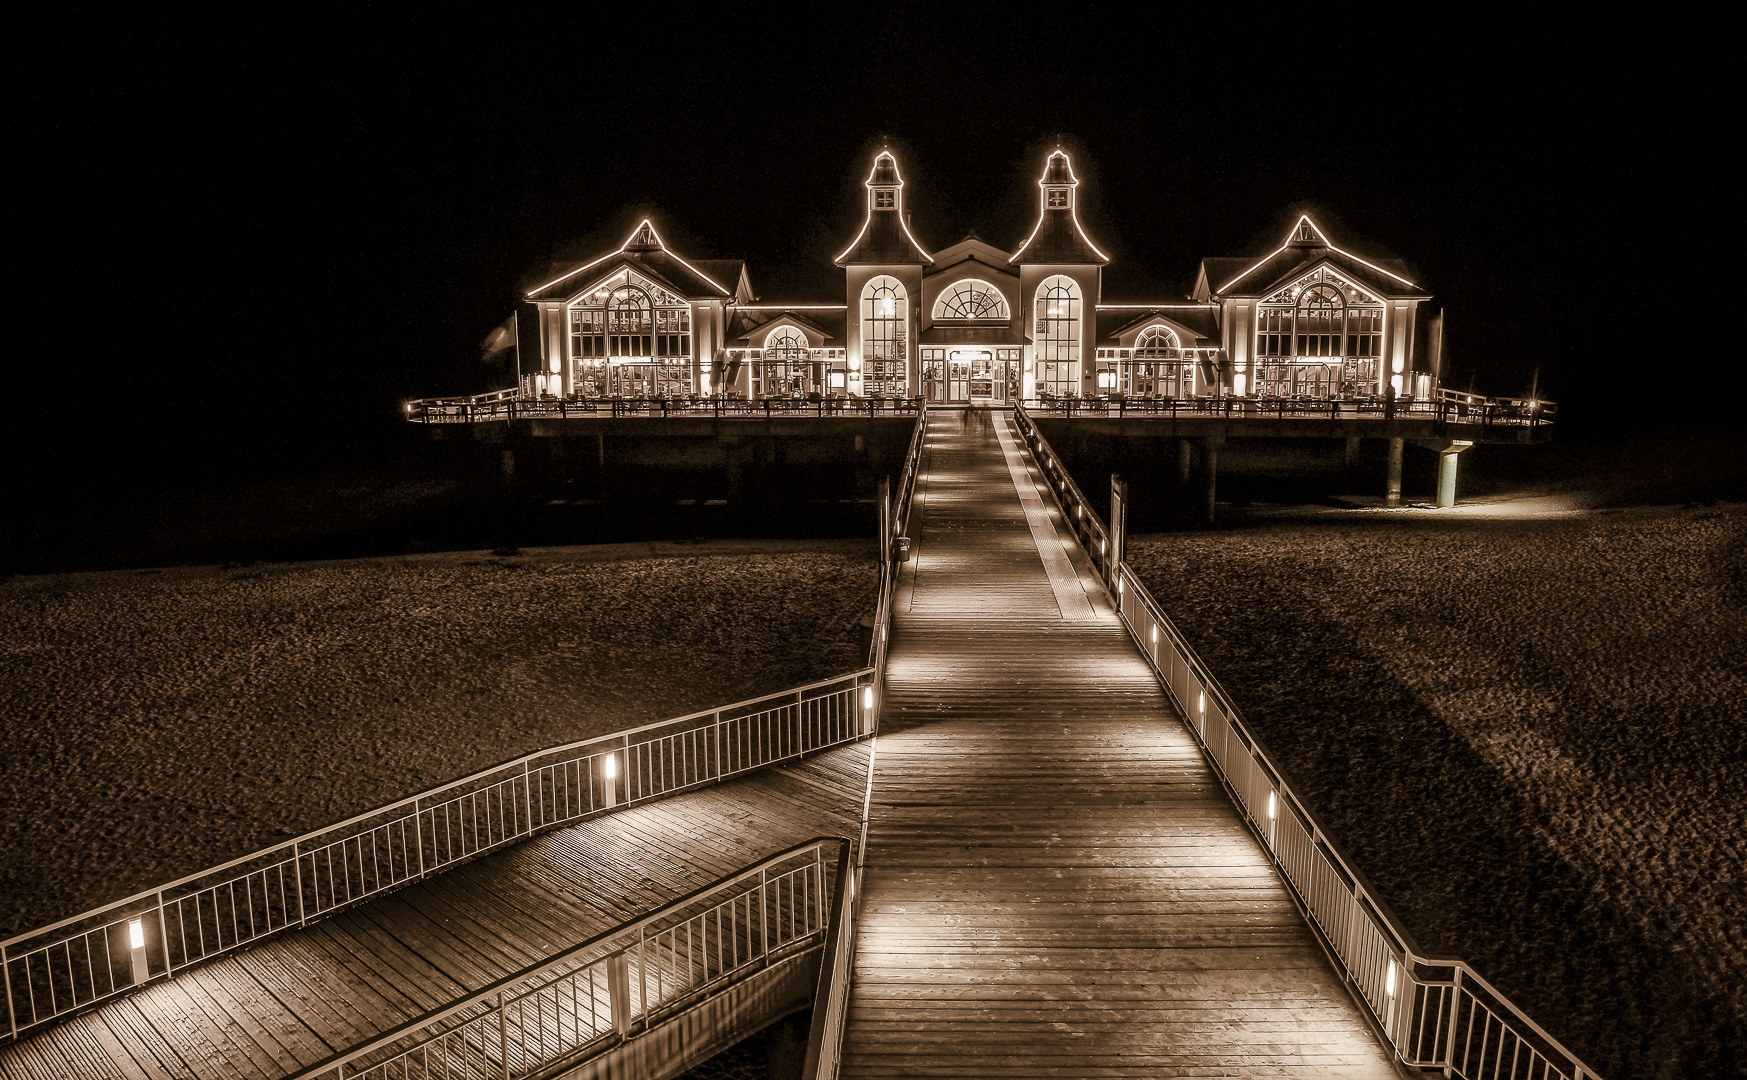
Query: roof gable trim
point(640, 237)
point(1298, 234)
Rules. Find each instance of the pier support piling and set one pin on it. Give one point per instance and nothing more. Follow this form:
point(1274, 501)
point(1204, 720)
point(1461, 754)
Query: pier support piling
point(1392, 478)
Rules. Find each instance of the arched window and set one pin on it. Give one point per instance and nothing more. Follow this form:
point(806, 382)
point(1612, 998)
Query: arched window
point(786, 341)
point(971, 300)
point(1319, 321)
point(1056, 345)
point(885, 308)
point(1154, 338)
point(629, 319)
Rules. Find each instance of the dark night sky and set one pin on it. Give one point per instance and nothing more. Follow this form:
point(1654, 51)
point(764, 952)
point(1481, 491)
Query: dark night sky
point(272, 232)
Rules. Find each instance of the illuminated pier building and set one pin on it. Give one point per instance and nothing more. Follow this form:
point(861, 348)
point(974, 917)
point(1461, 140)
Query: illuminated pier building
point(976, 324)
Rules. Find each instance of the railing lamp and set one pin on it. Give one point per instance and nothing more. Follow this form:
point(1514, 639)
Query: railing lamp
point(1272, 800)
point(1389, 981)
point(867, 697)
point(610, 766)
point(136, 947)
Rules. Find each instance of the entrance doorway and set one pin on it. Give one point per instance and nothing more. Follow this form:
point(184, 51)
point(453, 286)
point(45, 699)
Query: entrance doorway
point(977, 377)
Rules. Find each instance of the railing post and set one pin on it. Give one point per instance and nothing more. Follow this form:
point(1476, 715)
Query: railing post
point(1455, 1010)
point(527, 799)
point(11, 1013)
point(716, 726)
point(619, 993)
point(163, 935)
point(503, 1036)
point(297, 873)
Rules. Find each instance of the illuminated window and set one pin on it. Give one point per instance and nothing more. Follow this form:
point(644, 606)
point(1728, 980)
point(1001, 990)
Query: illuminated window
point(785, 340)
point(1058, 199)
point(885, 313)
point(971, 300)
point(1154, 338)
point(629, 318)
point(1317, 338)
point(884, 320)
point(885, 198)
point(1056, 345)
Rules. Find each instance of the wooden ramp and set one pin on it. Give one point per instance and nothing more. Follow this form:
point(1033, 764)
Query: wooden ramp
point(1056, 884)
point(291, 1001)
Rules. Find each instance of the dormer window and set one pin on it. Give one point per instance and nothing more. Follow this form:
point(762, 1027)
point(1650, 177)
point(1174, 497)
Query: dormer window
point(1058, 199)
point(885, 199)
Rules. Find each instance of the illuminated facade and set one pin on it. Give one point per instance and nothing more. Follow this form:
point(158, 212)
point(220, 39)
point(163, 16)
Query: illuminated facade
point(973, 323)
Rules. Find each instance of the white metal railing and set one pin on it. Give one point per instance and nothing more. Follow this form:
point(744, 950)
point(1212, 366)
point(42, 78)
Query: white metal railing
point(831, 1002)
point(74, 963)
point(1436, 1013)
point(505, 405)
point(589, 998)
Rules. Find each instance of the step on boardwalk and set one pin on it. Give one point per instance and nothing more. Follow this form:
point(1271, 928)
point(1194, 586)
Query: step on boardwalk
point(270, 1010)
point(1056, 884)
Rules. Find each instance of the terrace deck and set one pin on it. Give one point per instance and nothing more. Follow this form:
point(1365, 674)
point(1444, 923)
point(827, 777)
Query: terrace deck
point(292, 1000)
point(1056, 884)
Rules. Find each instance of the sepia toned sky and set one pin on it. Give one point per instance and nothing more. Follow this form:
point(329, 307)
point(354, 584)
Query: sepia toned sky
point(333, 209)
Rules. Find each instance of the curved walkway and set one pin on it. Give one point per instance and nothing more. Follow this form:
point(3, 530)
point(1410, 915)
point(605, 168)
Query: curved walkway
point(1055, 883)
point(267, 1011)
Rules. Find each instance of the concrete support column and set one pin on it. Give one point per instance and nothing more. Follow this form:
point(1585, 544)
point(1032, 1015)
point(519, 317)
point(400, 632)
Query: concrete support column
point(1209, 475)
point(1447, 458)
point(1351, 455)
point(1183, 459)
point(1392, 479)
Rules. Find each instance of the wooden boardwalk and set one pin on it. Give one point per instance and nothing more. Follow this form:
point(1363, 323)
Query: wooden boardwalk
point(1056, 884)
point(291, 1001)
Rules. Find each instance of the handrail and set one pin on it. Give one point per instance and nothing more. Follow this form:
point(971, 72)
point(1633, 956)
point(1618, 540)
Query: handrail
point(78, 962)
point(831, 1002)
point(1448, 407)
point(1459, 1022)
point(597, 994)
point(505, 405)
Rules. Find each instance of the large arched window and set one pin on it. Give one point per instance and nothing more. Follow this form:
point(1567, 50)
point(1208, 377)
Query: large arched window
point(885, 308)
point(1318, 338)
point(971, 300)
point(1056, 345)
point(629, 318)
point(1320, 310)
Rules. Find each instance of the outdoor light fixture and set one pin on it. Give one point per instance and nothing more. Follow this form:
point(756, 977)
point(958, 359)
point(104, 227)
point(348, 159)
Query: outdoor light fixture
point(1271, 805)
point(1155, 633)
point(1389, 984)
point(867, 698)
point(610, 766)
point(136, 934)
point(1201, 705)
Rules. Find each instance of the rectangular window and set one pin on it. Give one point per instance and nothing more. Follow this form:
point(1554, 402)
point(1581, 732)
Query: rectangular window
point(1058, 199)
point(885, 199)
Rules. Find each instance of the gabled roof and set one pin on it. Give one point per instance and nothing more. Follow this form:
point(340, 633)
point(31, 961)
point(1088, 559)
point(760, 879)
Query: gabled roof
point(828, 321)
point(885, 238)
point(971, 249)
point(1057, 237)
point(1306, 247)
point(644, 251)
point(1199, 320)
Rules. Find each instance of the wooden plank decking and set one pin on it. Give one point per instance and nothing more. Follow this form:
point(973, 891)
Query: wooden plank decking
point(291, 1001)
point(1056, 884)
